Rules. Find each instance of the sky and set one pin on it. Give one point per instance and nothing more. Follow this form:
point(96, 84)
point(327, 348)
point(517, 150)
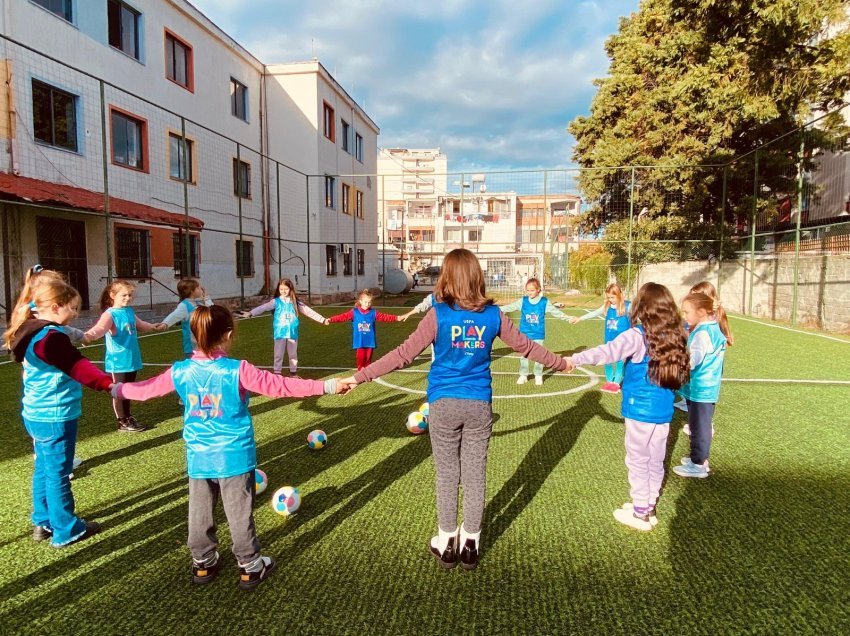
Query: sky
point(493, 83)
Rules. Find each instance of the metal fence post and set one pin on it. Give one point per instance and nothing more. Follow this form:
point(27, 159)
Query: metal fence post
point(722, 229)
point(545, 220)
point(279, 255)
point(187, 241)
point(105, 159)
point(631, 221)
point(462, 224)
point(383, 234)
point(309, 266)
point(241, 249)
point(797, 230)
point(753, 233)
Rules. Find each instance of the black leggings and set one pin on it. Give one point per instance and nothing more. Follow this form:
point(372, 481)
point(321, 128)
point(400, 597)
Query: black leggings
point(122, 407)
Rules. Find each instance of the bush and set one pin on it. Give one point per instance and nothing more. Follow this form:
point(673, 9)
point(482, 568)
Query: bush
point(589, 268)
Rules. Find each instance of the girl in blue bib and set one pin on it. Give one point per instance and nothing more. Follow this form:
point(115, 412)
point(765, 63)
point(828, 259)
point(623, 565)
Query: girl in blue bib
point(615, 311)
point(533, 308)
point(285, 322)
point(192, 295)
point(707, 341)
point(363, 318)
point(123, 359)
point(54, 371)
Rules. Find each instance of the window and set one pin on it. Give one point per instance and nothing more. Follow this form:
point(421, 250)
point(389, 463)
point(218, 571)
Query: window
point(180, 153)
point(238, 99)
point(358, 147)
point(346, 198)
point(241, 179)
point(330, 260)
point(244, 259)
point(361, 262)
point(358, 209)
point(54, 116)
point(178, 61)
point(330, 192)
point(346, 261)
point(129, 140)
point(132, 253)
point(178, 240)
point(451, 235)
point(474, 235)
point(123, 27)
point(346, 136)
point(62, 8)
point(329, 126)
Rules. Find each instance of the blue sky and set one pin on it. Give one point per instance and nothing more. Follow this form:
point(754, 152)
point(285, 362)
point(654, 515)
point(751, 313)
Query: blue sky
point(493, 83)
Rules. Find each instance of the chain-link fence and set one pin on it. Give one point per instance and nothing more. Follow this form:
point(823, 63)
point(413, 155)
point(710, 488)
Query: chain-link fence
point(99, 183)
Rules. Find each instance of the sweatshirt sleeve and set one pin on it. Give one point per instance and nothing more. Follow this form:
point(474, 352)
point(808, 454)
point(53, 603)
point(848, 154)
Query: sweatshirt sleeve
point(700, 345)
point(511, 307)
point(425, 305)
point(627, 345)
point(347, 316)
point(551, 310)
point(56, 349)
point(143, 325)
point(593, 314)
point(405, 353)
point(74, 334)
point(382, 317)
point(261, 309)
point(527, 348)
point(310, 313)
point(103, 324)
point(157, 386)
point(178, 315)
point(273, 385)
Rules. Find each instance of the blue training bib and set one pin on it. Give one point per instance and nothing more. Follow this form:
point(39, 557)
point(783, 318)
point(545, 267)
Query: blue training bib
point(363, 329)
point(122, 348)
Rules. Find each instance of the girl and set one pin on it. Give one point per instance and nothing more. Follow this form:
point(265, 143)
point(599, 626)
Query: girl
point(616, 310)
point(123, 359)
point(462, 325)
point(221, 453)
point(363, 319)
point(534, 308)
point(37, 275)
point(286, 308)
point(707, 344)
point(192, 295)
point(656, 364)
point(53, 373)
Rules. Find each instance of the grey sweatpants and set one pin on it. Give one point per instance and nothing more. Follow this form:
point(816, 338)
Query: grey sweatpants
point(237, 496)
point(460, 435)
point(290, 346)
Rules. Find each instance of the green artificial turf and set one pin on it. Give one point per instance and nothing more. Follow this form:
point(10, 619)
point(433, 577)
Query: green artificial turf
point(761, 547)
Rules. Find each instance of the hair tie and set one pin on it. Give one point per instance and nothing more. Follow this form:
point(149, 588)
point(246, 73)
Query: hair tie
point(37, 268)
point(31, 305)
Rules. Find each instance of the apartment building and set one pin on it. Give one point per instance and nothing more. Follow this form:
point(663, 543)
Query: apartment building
point(140, 141)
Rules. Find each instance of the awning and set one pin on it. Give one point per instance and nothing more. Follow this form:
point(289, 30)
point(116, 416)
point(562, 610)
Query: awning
point(27, 190)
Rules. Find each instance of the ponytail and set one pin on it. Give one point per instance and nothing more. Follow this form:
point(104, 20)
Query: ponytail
point(210, 326)
point(49, 291)
point(723, 322)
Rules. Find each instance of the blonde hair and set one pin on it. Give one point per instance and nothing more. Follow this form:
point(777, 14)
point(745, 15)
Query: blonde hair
point(711, 306)
point(106, 299)
point(615, 289)
point(535, 282)
point(705, 287)
point(48, 292)
point(461, 281)
point(36, 275)
point(210, 326)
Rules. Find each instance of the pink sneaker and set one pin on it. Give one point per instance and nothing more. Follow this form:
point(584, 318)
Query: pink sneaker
point(610, 387)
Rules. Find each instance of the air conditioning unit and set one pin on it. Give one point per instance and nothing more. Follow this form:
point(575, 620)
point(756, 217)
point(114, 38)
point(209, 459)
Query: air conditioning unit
point(345, 248)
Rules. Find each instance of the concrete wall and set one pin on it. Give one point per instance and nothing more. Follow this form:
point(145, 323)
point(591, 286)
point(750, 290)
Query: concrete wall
point(823, 290)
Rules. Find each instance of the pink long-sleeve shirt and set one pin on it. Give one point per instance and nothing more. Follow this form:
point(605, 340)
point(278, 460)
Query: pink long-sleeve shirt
point(251, 379)
point(629, 344)
point(302, 308)
point(105, 324)
point(426, 333)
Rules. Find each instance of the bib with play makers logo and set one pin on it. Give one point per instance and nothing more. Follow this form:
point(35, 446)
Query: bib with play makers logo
point(363, 329)
point(533, 322)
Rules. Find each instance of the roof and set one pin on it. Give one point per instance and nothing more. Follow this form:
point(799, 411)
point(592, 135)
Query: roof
point(29, 190)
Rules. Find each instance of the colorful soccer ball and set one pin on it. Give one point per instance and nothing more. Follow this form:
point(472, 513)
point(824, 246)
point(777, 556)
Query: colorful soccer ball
point(261, 482)
point(286, 500)
point(416, 423)
point(424, 409)
point(317, 439)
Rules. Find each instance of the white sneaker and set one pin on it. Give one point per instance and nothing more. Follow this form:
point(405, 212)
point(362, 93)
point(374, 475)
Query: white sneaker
point(691, 470)
point(686, 429)
point(522, 379)
point(628, 518)
point(538, 380)
point(682, 405)
point(653, 520)
point(686, 461)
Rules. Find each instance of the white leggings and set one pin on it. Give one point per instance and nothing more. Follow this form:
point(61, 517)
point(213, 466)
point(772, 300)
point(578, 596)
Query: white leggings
point(291, 347)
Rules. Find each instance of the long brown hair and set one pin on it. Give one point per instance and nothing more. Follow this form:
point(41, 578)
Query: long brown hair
point(106, 299)
point(293, 297)
point(615, 289)
point(210, 325)
point(49, 291)
point(667, 343)
point(710, 290)
point(713, 308)
point(461, 282)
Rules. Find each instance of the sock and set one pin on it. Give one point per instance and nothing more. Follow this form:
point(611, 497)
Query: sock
point(257, 564)
point(441, 540)
point(208, 562)
point(464, 536)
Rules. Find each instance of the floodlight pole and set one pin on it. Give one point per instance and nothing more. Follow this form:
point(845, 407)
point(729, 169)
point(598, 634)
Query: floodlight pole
point(631, 220)
point(753, 232)
point(797, 232)
point(722, 229)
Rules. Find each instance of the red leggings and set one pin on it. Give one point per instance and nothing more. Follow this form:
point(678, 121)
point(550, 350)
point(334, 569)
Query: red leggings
point(364, 357)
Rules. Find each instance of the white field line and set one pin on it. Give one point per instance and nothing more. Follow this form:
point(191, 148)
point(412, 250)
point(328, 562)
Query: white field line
point(806, 333)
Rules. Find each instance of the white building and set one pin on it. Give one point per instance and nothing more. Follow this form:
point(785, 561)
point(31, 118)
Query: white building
point(188, 132)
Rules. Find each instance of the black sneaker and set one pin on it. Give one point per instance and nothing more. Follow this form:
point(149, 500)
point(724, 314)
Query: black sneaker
point(41, 533)
point(130, 425)
point(248, 581)
point(92, 528)
point(447, 559)
point(203, 574)
point(469, 555)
